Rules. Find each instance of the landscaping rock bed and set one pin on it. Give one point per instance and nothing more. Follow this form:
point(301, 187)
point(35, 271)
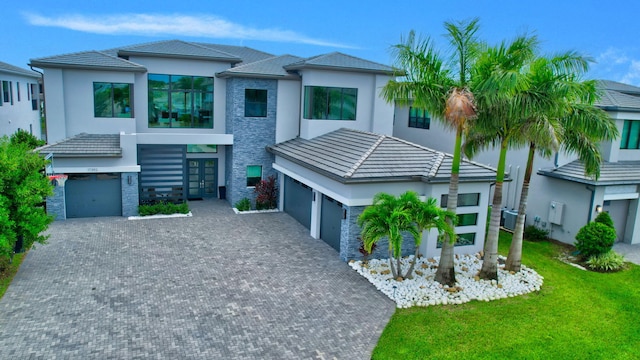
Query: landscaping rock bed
point(423, 290)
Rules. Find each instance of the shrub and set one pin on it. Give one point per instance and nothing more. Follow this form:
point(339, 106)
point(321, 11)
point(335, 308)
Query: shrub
point(267, 193)
point(594, 239)
point(25, 138)
point(604, 218)
point(610, 261)
point(243, 205)
point(164, 208)
point(534, 233)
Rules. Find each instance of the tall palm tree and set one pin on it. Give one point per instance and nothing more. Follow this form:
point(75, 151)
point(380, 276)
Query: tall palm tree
point(560, 114)
point(442, 89)
point(498, 75)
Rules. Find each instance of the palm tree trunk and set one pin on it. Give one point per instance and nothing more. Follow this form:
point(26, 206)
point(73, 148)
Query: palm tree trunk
point(514, 259)
point(489, 270)
point(413, 263)
point(446, 274)
point(394, 273)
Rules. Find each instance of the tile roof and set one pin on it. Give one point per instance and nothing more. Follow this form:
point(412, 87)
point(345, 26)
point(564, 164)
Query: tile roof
point(85, 145)
point(271, 67)
point(247, 54)
point(88, 60)
point(617, 96)
point(8, 68)
point(356, 156)
point(178, 49)
point(611, 173)
point(340, 61)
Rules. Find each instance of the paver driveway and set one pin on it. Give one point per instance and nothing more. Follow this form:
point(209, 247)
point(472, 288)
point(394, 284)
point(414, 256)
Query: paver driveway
point(213, 286)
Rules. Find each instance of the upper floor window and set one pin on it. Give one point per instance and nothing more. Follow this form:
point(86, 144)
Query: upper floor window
point(180, 101)
point(112, 100)
point(330, 103)
point(419, 118)
point(7, 92)
point(630, 135)
point(33, 95)
point(255, 103)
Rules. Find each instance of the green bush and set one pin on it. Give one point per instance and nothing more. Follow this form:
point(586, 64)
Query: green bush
point(243, 205)
point(604, 218)
point(610, 261)
point(594, 239)
point(534, 233)
point(164, 208)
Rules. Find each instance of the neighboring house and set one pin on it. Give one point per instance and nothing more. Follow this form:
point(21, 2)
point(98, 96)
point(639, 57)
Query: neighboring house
point(561, 198)
point(19, 101)
point(175, 120)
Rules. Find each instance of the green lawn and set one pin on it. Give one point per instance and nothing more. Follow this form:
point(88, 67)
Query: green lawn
point(9, 271)
point(576, 315)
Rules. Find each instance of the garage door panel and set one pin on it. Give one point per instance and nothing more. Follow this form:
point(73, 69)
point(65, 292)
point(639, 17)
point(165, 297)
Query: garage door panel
point(331, 222)
point(92, 195)
point(297, 201)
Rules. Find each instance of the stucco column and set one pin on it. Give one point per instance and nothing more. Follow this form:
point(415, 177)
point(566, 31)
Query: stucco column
point(316, 212)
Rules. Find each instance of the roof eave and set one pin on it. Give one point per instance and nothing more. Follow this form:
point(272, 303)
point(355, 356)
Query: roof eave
point(44, 65)
point(232, 60)
point(339, 68)
point(231, 74)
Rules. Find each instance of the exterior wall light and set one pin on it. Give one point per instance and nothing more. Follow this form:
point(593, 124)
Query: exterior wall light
point(598, 209)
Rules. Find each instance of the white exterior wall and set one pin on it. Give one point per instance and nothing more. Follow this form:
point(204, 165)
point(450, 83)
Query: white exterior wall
point(55, 105)
point(288, 112)
point(19, 115)
point(79, 103)
point(371, 112)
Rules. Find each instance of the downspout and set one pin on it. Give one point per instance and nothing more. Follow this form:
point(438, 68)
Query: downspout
point(43, 108)
point(593, 197)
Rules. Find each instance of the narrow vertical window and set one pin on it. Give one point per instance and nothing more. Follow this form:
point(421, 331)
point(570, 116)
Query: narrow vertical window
point(18, 89)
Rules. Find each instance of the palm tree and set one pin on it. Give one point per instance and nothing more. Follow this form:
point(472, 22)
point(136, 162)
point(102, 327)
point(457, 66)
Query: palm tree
point(430, 84)
point(560, 114)
point(498, 75)
point(388, 217)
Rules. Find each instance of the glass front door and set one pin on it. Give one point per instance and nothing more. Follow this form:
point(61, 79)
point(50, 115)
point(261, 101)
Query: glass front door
point(203, 178)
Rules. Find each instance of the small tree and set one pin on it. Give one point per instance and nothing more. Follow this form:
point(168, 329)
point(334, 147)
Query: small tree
point(25, 138)
point(605, 218)
point(594, 239)
point(23, 189)
point(267, 193)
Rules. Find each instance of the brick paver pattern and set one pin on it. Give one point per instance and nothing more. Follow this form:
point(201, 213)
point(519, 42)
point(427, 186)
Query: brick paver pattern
point(213, 286)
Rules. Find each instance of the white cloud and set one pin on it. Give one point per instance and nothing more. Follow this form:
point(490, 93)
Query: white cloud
point(208, 26)
point(619, 65)
point(632, 76)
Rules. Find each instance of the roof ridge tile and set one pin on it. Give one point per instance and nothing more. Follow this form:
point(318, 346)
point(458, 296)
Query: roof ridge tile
point(365, 156)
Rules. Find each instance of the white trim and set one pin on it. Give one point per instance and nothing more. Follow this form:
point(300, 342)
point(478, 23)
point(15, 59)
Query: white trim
point(97, 169)
point(620, 196)
point(322, 189)
point(183, 139)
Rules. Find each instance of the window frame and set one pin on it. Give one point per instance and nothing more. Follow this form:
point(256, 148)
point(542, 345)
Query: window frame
point(317, 99)
point(195, 96)
point(113, 113)
point(7, 91)
point(251, 103)
point(419, 118)
point(253, 180)
point(461, 202)
point(630, 132)
point(466, 216)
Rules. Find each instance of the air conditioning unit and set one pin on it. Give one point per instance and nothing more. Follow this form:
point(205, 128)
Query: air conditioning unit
point(509, 218)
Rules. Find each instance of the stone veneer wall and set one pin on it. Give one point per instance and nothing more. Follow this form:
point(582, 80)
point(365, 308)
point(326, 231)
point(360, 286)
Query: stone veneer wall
point(350, 239)
point(130, 198)
point(250, 137)
point(56, 205)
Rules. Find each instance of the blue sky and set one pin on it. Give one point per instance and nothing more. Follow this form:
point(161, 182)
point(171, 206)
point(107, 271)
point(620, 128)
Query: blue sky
point(606, 31)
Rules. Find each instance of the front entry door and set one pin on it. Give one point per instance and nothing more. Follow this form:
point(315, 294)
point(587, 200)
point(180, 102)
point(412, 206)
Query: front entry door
point(203, 178)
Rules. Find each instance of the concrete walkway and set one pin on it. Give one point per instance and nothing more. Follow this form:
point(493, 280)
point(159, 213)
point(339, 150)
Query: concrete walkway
point(213, 286)
point(631, 252)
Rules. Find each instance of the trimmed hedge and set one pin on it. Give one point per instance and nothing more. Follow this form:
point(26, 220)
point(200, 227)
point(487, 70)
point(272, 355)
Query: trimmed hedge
point(164, 208)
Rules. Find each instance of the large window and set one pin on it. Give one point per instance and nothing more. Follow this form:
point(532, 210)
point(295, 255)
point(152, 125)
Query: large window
point(255, 103)
point(461, 240)
point(254, 175)
point(112, 100)
point(467, 219)
point(469, 199)
point(179, 101)
point(630, 135)
point(419, 118)
point(7, 92)
point(330, 103)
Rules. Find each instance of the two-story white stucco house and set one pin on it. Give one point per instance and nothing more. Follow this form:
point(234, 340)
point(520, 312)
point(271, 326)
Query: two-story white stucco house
point(561, 198)
point(182, 120)
point(19, 100)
